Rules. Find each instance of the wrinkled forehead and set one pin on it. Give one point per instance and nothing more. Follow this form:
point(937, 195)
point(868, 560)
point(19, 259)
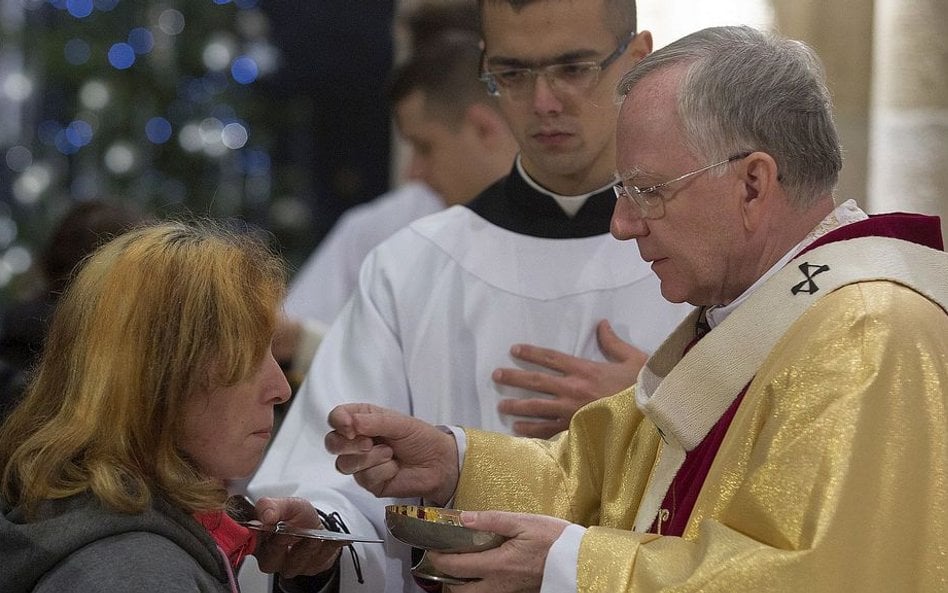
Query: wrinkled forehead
point(649, 125)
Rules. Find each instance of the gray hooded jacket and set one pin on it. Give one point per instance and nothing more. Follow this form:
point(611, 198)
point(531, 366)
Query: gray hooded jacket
point(76, 544)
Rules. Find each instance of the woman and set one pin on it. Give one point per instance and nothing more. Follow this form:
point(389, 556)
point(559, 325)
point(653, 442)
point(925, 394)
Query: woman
point(157, 384)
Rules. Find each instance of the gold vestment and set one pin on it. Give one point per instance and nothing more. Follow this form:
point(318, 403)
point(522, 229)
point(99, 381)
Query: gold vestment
point(833, 475)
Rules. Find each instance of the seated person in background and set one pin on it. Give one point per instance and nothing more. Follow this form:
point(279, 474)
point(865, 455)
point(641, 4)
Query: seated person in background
point(23, 327)
point(157, 383)
point(459, 144)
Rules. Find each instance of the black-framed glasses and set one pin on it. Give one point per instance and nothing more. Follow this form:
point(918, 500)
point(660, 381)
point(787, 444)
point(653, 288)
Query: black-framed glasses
point(651, 200)
point(568, 78)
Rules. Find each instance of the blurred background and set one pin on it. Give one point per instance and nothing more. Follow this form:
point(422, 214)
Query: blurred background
point(275, 111)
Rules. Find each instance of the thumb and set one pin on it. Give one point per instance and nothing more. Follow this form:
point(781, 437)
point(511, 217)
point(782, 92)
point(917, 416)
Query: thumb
point(500, 522)
point(267, 511)
point(613, 347)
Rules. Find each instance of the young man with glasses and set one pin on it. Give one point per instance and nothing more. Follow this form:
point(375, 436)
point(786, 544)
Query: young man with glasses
point(529, 261)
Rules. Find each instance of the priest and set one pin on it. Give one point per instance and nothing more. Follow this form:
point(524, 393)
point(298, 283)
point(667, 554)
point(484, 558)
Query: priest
point(791, 434)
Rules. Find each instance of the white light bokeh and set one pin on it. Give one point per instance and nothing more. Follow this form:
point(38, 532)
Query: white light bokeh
point(18, 158)
point(212, 137)
point(171, 22)
point(95, 95)
point(266, 55)
point(190, 138)
point(218, 53)
point(29, 187)
point(18, 259)
point(8, 231)
point(17, 86)
point(120, 158)
point(234, 136)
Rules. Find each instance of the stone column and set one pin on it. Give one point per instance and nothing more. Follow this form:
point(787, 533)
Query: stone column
point(841, 34)
point(909, 130)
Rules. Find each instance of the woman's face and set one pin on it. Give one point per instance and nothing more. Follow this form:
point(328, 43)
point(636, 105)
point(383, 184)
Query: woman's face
point(226, 429)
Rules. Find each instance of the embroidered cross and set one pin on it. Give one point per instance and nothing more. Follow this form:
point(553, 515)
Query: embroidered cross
point(810, 271)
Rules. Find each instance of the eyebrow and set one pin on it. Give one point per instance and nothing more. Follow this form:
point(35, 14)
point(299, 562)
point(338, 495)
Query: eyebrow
point(636, 174)
point(564, 58)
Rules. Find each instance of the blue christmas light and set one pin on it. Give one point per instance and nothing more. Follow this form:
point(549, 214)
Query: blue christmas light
point(121, 56)
point(78, 133)
point(244, 70)
point(141, 40)
point(79, 8)
point(77, 51)
point(63, 144)
point(158, 130)
point(221, 1)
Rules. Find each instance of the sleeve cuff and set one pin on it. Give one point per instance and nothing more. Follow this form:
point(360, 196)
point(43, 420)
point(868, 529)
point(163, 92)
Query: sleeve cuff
point(559, 572)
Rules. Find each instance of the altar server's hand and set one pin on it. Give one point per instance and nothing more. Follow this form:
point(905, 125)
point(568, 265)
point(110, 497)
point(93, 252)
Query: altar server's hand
point(573, 383)
point(288, 555)
point(391, 454)
point(515, 566)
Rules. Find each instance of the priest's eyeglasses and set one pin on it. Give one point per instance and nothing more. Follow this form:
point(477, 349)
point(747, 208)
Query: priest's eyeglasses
point(569, 78)
point(651, 200)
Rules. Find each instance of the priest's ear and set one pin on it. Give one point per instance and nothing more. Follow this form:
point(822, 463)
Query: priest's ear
point(759, 186)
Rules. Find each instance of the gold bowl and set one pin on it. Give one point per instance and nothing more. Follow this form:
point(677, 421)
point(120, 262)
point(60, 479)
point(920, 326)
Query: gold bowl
point(438, 529)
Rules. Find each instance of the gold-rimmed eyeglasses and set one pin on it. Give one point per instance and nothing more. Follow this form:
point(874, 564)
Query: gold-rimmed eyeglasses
point(651, 200)
point(568, 78)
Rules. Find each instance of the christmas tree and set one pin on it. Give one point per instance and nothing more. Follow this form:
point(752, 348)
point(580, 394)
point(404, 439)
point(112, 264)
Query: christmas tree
point(149, 103)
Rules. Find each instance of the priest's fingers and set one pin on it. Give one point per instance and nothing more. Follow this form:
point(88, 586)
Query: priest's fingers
point(354, 463)
point(615, 348)
point(545, 429)
point(545, 409)
point(339, 444)
point(545, 357)
point(514, 566)
point(342, 418)
point(537, 381)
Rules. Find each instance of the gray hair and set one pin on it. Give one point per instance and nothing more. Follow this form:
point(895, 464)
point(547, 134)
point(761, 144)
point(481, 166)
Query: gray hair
point(748, 90)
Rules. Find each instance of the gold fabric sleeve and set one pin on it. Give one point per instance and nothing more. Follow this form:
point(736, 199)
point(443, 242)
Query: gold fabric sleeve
point(833, 475)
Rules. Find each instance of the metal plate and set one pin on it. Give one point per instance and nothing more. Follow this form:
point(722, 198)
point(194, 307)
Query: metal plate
point(281, 528)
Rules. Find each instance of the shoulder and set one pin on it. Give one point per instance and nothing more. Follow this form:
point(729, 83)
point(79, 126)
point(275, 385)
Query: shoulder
point(391, 210)
point(133, 562)
point(875, 337)
point(878, 309)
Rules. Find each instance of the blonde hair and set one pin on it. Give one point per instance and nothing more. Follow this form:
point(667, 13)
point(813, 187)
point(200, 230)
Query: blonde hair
point(153, 317)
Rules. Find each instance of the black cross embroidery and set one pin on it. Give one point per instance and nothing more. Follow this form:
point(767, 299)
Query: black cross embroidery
point(810, 271)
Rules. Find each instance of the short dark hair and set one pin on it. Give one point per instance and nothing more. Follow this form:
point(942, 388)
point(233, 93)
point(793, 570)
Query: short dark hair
point(621, 13)
point(430, 19)
point(445, 69)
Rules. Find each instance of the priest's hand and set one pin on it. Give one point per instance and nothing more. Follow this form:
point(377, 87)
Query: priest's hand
point(288, 555)
point(391, 454)
point(573, 382)
point(515, 566)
